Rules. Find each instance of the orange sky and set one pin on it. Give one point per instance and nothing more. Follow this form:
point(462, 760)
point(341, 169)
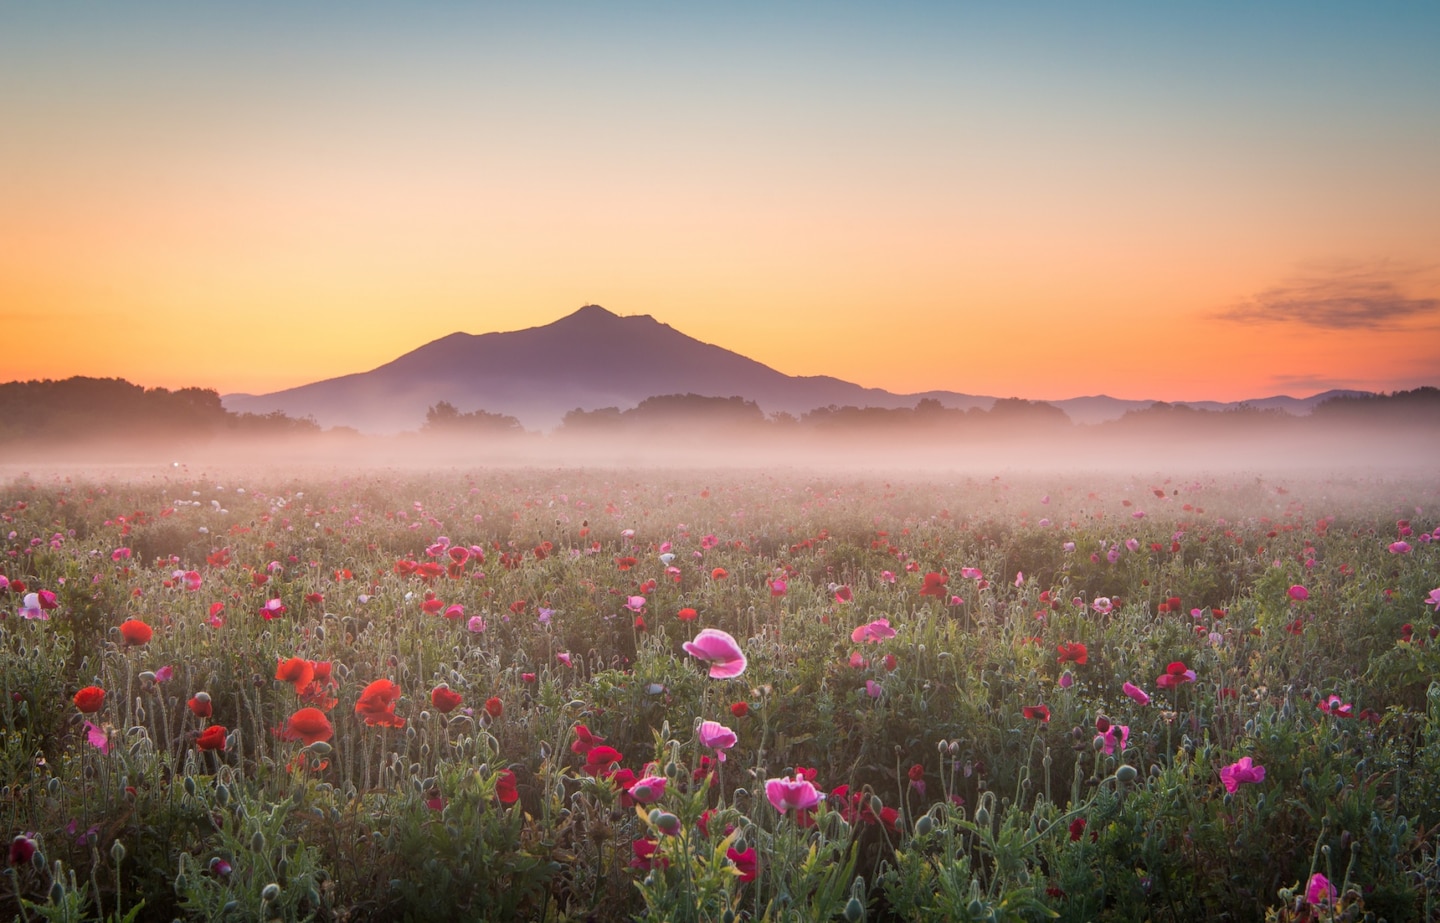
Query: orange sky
point(1015, 205)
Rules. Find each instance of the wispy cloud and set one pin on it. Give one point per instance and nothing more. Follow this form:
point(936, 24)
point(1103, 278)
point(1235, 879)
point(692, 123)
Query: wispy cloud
point(1349, 296)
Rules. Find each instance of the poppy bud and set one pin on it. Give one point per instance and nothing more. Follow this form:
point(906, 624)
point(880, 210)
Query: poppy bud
point(270, 893)
point(117, 852)
point(1126, 773)
point(854, 910)
point(924, 825)
point(982, 817)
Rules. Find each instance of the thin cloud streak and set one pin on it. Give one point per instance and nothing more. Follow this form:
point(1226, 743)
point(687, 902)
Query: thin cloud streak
point(1354, 297)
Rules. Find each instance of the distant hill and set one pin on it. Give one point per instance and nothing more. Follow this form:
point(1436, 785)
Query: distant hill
point(593, 359)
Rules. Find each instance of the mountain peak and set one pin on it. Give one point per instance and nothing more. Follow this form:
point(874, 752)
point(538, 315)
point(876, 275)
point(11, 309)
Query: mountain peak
point(592, 312)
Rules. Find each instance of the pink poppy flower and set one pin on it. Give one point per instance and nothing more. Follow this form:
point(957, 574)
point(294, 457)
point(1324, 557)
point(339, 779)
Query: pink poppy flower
point(792, 794)
point(1103, 605)
point(1299, 593)
point(98, 737)
point(635, 603)
point(564, 657)
point(1242, 771)
point(648, 790)
point(1116, 735)
point(876, 631)
point(1434, 599)
point(191, 579)
point(31, 608)
point(717, 737)
point(778, 587)
point(1399, 548)
point(720, 650)
point(1136, 693)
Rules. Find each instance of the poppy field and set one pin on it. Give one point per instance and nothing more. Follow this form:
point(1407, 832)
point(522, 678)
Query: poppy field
point(711, 695)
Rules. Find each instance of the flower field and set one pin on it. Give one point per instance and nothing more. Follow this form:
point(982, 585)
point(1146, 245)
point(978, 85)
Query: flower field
point(719, 695)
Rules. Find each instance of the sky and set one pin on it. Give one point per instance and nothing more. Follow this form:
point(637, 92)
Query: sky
point(1178, 201)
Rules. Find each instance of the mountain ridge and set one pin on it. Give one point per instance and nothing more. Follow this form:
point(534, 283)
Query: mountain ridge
point(594, 358)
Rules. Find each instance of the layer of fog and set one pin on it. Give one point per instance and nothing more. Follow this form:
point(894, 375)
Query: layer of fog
point(1378, 450)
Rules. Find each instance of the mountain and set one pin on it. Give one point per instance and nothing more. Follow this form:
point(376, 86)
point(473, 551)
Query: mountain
point(592, 359)
point(588, 360)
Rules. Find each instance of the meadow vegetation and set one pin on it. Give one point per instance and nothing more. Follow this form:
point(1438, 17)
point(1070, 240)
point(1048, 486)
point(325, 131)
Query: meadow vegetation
point(711, 695)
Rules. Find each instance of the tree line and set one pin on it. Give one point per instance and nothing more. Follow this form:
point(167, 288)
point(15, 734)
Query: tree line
point(80, 408)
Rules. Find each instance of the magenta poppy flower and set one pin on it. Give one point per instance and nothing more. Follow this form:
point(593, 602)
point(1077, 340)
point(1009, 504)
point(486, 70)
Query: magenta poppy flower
point(1299, 593)
point(1399, 547)
point(717, 737)
point(1320, 891)
point(792, 794)
point(1434, 599)
point(720, 650)
point(1136, 693)
point(1242, 771)
point(876, 631)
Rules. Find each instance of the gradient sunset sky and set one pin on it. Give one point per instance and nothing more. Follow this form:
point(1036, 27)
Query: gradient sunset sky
point(1044, 200)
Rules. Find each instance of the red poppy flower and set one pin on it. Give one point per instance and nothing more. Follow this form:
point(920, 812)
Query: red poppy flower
point(719, 573)
point(844, 594)
point(625, 563)
point(22, 848)
point(1175, 676)
point(136, 632)
point(444, 699)
point(585, 740)
point(1041, 712)
point(309, 725)
point(740, 709)
point(377, 704)
point(297, 671)
point(90, 699)
point(1077, 828)
point(505, 787)
point(598, 760)
point(686, 615)
point(1072, 653)
point(200, 705)
point(212, 738)
point(645, 858)
point(494, 707)
point(745, 862)
point(934, 585)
